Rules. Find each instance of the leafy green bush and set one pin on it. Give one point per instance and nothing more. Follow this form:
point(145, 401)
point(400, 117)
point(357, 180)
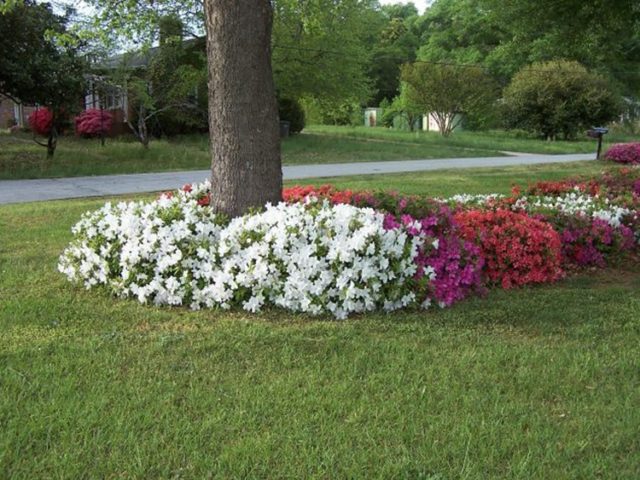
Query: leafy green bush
point(559, 98)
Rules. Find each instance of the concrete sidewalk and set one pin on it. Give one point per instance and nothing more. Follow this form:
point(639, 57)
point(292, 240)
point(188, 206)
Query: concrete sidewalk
point(17, 191)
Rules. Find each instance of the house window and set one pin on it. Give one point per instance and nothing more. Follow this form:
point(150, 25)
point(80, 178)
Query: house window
point(113, 100)
point(109, 98)
point(18, 114)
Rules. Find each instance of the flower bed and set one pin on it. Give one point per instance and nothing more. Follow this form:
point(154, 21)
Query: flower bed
point(326, 251)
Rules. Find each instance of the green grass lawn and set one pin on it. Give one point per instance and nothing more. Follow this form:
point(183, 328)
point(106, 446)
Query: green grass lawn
point(444, 183)
point(20, 157)
point(491, 140)
point(532, 383)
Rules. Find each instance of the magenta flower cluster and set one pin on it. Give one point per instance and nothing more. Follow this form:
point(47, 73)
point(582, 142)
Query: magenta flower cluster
point(627, 153)
point(592, 242)
point(456, 262)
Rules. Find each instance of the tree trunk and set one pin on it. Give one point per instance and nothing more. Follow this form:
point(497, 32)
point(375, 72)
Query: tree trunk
point(244, 132)
point(52, 142)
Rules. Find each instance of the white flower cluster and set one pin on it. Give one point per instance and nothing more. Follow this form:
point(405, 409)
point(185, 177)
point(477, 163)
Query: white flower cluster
point(468, 199)
point(314, 257)
point(576, 203)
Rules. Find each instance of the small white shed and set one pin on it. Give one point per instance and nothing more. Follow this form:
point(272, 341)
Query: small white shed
point(429, 123)
point(372, 116)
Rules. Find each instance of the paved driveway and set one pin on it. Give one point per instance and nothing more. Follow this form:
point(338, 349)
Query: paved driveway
point(16, 191)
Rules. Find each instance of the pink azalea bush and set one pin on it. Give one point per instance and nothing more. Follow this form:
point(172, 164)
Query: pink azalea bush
point(594, 242)
point(94, 122)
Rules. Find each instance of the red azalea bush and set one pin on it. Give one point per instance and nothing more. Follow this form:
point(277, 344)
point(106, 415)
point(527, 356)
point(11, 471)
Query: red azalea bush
point(628, 153)
point(41, 121)
point(517, 248)
point(94, 122)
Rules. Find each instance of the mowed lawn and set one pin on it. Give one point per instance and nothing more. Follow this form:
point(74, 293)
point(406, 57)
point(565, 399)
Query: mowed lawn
point(20, 157)
point(532, 383)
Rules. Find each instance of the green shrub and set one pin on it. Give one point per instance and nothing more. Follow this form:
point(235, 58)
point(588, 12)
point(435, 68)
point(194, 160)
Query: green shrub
point(559, 98)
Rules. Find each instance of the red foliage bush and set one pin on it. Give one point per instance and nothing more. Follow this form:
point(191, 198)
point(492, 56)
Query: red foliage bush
point(517, 249)
point(41, 121)
point(93, 122)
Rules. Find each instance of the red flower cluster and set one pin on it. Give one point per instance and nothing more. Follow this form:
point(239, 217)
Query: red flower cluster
point(517, 249)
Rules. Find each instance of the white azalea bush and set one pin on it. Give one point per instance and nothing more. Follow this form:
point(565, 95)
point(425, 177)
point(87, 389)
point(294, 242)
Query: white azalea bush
point(310, 257)
point(576, 203)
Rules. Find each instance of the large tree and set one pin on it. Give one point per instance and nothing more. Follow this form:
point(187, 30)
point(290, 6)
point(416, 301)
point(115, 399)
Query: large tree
point(246, 168)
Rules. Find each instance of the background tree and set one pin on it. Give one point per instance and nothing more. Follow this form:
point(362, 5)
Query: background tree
point(178, 81)
point(395, 45)
point(448, 92)
point(504, 36)
point(291, 111)
point(246, 167)
point(40, 62)
point(559, 98)
point(405, 107)
point(321, 50)
point(461, 32)
point(600, 34)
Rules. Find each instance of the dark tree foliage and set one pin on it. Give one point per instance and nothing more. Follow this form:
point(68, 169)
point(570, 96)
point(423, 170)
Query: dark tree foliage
point(40, 62)
point(291, 111)
point(397, 42)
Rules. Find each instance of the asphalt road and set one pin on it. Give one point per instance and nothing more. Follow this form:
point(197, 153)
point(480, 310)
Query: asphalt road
point(18, 191)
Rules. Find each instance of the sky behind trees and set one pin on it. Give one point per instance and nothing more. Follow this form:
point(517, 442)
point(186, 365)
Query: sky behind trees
point(420, 4)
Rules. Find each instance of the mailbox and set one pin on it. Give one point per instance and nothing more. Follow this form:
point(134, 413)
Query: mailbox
point(598, 132)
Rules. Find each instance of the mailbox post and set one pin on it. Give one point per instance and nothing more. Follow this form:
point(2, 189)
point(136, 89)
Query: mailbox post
point(598, 133)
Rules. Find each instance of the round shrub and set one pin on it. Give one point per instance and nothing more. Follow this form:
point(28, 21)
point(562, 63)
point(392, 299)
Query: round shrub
point(94, 122)
point(41, 121)
point(518, 249)
point(308, 257)
point(291, 111)
point(559, 98)
point(626, 153)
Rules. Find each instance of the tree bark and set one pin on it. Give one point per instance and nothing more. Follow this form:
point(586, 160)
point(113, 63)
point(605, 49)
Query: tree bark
point(246, 170)
point(52, 142)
